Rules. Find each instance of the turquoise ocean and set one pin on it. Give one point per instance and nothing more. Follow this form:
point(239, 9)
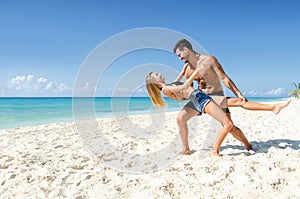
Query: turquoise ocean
point(18, 112)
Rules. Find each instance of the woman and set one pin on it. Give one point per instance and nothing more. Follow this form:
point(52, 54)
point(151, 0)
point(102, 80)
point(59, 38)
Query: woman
point(155, 83)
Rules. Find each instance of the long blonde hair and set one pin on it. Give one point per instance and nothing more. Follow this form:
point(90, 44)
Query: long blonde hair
point(154, 92)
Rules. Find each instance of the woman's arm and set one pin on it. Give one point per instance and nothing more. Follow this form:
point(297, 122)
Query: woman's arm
point(187, 83)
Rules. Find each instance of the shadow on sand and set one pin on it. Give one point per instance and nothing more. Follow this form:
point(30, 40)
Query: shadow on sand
point(264, 146)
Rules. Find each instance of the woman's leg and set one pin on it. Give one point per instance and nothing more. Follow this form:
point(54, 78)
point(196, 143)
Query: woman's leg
point(216, 112)
point(249, 105)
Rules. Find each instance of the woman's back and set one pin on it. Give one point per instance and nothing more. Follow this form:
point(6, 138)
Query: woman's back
point(181, 95)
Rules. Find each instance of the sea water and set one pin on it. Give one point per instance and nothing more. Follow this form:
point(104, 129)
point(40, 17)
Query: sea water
point(17, 112)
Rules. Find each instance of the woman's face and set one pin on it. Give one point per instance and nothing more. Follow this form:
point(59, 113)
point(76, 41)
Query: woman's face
point(158, 77)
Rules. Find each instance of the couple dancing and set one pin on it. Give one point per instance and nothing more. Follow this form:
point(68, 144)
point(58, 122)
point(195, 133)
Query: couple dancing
point(207, 98)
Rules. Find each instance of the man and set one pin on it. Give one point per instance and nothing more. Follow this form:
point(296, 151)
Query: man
point(209, 76)
point(209, 67)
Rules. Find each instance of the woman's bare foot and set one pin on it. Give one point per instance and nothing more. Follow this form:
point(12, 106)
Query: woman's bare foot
point(186, 152)
point(279, 107)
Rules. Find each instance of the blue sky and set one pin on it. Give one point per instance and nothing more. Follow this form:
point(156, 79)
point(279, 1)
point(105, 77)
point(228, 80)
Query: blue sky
point(44, 43)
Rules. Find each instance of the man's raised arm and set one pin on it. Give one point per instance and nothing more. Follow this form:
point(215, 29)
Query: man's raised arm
point(225, 79)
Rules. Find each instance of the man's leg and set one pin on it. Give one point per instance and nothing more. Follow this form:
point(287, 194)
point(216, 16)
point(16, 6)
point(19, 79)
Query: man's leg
point(216, 112)
point(239, 135)
point(222, 101)
point(184, 115)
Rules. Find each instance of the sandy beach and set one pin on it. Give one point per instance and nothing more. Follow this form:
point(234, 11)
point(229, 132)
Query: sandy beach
point(61, 160)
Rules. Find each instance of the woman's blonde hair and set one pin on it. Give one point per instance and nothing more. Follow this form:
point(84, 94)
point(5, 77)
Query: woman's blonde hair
point(154, 92)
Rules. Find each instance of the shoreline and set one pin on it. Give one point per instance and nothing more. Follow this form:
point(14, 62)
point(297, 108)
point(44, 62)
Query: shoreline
point(135, 113)
point(52, 161)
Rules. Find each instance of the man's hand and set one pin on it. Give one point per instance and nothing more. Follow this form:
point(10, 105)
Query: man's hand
point(202, 84)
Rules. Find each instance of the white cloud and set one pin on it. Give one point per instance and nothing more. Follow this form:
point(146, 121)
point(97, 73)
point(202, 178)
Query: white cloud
point(17, 83)
point(250, 93)
point(42, 80)
point(28, 85)
point(61, 87)
point(29, 78)
point(274, 92)
point(18, 78)
point(49, 86)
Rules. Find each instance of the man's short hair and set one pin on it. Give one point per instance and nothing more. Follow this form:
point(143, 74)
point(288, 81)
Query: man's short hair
point(182, 43)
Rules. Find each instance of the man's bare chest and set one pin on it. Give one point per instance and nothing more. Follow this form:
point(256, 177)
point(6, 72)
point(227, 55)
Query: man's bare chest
point(204, 72)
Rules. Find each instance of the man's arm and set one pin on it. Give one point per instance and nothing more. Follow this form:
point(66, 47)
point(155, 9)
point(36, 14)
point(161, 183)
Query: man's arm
point(225, 79)
point(167, 89)
point(181, 75)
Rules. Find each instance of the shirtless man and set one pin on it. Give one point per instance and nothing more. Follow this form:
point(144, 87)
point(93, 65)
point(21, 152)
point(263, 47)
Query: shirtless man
point(210, 74)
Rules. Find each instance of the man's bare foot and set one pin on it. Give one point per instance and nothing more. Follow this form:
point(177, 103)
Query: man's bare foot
point(252, 150)
point(250, 147)
point(279, 107)
point(186, 152)
point(215, 154)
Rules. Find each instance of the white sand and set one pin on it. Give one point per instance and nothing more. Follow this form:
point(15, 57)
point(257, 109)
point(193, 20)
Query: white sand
point(50, 161)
